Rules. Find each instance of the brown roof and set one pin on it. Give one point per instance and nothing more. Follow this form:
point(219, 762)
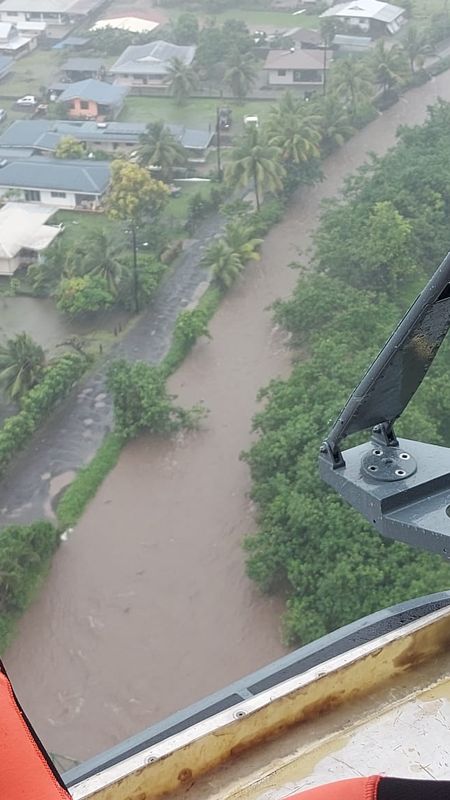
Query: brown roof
point(298, 59)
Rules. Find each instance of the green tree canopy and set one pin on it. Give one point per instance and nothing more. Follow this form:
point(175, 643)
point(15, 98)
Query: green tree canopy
point(158, 147)
point(181, 80)
point(134, 195)
point(69, 147)
point(22, 363)
point(254, 160)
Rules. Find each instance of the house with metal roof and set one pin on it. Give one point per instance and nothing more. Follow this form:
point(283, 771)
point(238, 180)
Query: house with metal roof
point(368, 16)
point(42, 136)
point(60, 15)
point(24, 234)
point(148, 64)
point(297, 68)
point(80, 69)
point(55, 182)
point(14, 42)
point(93, 99)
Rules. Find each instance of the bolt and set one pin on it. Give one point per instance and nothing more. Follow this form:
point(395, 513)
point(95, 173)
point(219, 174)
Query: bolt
point(377, 429)
point(323, 448)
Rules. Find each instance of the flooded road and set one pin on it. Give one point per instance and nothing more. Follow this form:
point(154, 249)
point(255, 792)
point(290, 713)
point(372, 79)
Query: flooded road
point(147, 607)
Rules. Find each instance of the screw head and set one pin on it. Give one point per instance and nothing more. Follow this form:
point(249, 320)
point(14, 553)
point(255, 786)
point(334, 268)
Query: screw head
point(323, 448)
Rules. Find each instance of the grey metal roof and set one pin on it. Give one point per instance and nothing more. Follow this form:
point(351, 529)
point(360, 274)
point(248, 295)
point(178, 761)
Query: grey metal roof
point(191, 138)
point(52, 6)
point(85, 177)
point(152, 59)
point(97, 91)
point(81, 64)
point(70, 41)
point(365, 9)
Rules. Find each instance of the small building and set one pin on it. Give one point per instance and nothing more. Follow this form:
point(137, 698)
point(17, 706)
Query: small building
point(13, 42)
point(24, 234)
point(5, 65)
point(368, 16)
point(148, 64)
point(304, 38)
point(59, 15)
point(55, 182)
point(93, 99)
point(80, 69)
point(300, 69)
point(71, 43)
point(343, 43)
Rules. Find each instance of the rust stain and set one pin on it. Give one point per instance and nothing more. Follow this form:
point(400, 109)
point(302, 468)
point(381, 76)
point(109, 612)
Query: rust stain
point(185, 775)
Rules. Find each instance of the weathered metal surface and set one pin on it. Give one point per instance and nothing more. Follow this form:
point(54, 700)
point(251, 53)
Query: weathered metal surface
point(178, 763)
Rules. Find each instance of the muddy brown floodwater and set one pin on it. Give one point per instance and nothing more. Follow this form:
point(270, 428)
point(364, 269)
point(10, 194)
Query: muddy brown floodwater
point(147, 607)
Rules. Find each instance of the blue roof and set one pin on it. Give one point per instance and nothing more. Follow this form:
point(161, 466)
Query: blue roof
point(5, 63)
point(37, 172)
point(97, 91)
point(70, 41)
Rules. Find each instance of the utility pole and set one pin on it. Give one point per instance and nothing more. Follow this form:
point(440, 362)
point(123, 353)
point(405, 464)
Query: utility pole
point(135, 269)
point(324, 47)
point(219, 160)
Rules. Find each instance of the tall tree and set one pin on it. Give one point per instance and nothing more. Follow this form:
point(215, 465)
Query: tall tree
point(181, 80)
point(224, 263)
point(390, 66)
point(255, 161)
point(239, 237)
point(353, 82)
point(335, 126)
point(240, 74)
point(416, 46)
point(294, 128)
point(69, 147)
point(104, 256)
point(22, 363)
point(184, 29)
point(159, 147)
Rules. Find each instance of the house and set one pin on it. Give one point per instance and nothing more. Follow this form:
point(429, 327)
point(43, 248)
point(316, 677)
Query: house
point(368, 16)
point(5, 65)
point(302, 69)
point(71, 43)
point(80, 69)
point(24, 234)
point(55, 182)
point(42, 136)
point(148, 64)
point(60, 15)
point(303, 37)
point(93, 99)
point(13, 43)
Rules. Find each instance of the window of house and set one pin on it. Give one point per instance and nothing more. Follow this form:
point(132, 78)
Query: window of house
point(32, 195)
point(307, 76)
point(84, 104)
point(57, 194)
point(281, 72)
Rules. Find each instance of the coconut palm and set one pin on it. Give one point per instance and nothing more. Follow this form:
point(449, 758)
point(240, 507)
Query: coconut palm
point(240, 238)
point(60, 261)
point(181, 79)
point(255, 160)
point(335, 125)
point(352, 81)
point(390, 65)
point(415, 46)
point(240, 74)
point(294, 128)
point(103, 254)
point(22, 363)
point(224, 263)
point(160, 148)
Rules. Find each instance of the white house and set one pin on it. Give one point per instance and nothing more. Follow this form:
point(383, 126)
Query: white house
point(24, 234)
point(148, 64)
point(303, 69)
point(368, 16)
point(55, 182)
point(15, 43)
point(59, 15)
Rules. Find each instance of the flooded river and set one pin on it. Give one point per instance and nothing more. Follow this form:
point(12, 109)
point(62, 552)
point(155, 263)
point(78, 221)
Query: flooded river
point(147, 607)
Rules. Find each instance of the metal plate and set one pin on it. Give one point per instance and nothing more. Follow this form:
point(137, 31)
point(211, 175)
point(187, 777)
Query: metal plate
point(388, 464)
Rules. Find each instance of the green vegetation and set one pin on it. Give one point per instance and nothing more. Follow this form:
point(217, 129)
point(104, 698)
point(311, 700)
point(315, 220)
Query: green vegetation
point(182, 80)
point(36, 404)
point(373, 249)
point(25, 553)
point(198, 112)
point(256, 161)
point(22, 364)
point(88, 480)
point(159, 148)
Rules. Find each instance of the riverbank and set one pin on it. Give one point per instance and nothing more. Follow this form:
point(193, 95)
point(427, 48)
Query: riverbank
point(147, 607)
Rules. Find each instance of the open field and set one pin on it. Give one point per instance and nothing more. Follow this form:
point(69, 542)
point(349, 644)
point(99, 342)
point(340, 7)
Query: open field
point(198, 112)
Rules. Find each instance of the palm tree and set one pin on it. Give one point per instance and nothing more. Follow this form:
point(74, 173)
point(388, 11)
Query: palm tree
point(390, 65)
point(352, 81)
point(294, 128)
point(240, 238)
point(415, 46)
point(224, 263)
point(181, 79)
point(160, 148)
point(253, 159)
point(22, 364)
point(240, 74)
point(103, 254)
point(335, 125)
point(60, 261)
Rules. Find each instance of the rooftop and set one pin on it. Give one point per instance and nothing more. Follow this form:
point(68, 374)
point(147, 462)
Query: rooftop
point(296, 59)
point(51, 6)
point(23, 226)
point(152, 59)
point(37, 172)
point(134, 23)
point(79, 64)
point(367, 9)
point(97, 91)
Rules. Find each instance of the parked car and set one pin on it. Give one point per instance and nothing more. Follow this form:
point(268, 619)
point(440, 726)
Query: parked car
point(28, 100)
point(3, 114)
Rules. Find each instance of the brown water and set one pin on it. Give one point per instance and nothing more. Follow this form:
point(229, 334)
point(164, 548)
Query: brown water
point(147, 607)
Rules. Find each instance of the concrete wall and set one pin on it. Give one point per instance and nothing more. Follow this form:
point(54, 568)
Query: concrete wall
point(75, 109)
point(288, 80)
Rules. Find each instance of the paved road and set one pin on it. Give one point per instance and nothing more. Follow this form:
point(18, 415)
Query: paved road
point(75, 430)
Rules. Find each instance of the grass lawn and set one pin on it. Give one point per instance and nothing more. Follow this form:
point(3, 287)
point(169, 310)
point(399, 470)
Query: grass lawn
point(197, 112)
point(30, 73)
point(79, 224)
point(177, 207)
point(257, 19)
